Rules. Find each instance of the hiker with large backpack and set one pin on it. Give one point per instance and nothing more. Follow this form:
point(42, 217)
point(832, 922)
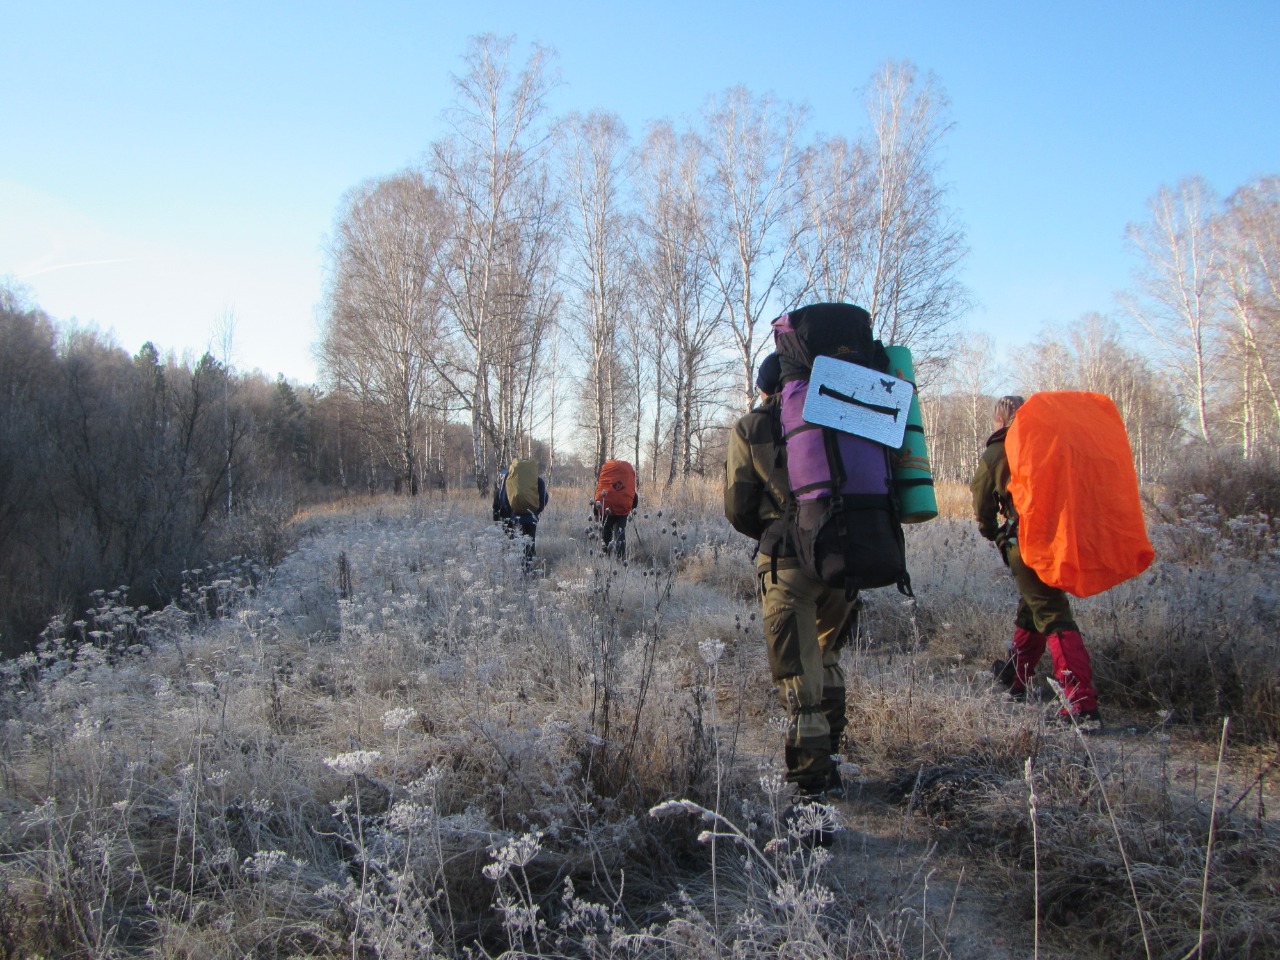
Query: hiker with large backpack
point(806, 622)
point(519, 497)
point(615, 500)
point(1044, 618)
point(820, 504)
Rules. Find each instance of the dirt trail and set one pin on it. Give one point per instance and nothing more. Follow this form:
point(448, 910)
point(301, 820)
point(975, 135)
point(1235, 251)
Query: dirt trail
point(955, 908)
point(891, 869)
point(961, 908)
point(887, 868)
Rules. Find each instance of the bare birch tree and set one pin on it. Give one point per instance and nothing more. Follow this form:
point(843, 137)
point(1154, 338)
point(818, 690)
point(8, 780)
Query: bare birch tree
point(676, 284)
point(753, 155)
point(384, 309)
point(833, 221)
point(595, 157)
point(1178, 290)
point(971, 374)
point(874, 227)
point(643, 359)
point(910, 284)
point(492, 167)
point(1250, 268)
point(524, 336)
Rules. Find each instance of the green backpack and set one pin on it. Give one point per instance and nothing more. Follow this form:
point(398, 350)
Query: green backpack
point(522, 486)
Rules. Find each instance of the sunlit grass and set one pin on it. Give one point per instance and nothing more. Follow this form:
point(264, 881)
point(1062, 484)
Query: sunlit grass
point(400, 743)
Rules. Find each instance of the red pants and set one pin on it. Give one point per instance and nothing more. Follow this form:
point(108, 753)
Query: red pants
point(1071, 666)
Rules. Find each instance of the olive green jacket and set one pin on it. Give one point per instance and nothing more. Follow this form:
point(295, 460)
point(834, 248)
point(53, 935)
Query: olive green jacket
point(756, 491)
point(992, 505)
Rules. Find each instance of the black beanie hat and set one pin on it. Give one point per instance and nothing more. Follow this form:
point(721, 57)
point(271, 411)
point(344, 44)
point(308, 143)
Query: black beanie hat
point(769, 374)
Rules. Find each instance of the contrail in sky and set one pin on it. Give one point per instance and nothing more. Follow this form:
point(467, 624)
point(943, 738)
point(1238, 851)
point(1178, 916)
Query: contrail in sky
point(78, 263)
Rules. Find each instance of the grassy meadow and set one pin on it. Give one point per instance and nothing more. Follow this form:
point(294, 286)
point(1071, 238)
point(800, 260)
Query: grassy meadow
point(398, 743)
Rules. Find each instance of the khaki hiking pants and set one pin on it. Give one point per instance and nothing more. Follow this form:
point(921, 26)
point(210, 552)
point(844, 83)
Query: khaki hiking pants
point(806, 624)
point(1041, 608)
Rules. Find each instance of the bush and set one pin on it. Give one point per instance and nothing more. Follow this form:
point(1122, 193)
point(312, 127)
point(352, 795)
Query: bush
point(1235, 486)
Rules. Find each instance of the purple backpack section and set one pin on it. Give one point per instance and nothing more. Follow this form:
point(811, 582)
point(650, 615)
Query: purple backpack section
point(865, 462)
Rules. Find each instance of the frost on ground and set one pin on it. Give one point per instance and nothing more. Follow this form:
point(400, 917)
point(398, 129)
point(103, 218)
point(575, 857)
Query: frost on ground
point(401, 743)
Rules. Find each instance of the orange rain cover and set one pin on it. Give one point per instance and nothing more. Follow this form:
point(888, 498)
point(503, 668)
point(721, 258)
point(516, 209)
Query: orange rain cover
point(616, 487)
point(1080, 523)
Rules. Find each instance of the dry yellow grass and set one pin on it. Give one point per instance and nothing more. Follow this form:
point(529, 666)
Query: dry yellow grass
point(316, 773)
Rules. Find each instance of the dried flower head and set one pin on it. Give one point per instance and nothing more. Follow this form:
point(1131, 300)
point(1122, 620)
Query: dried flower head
point(398, 718)
point(357, 761)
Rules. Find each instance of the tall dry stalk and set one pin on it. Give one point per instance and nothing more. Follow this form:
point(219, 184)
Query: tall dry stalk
point(1111, 819)
point(1032, 800)
point(1208, 850)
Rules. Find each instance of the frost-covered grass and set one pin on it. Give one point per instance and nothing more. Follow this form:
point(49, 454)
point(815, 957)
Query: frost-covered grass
point(401, 743)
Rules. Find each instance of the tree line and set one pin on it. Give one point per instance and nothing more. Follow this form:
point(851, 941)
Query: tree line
point(549, 276)
point(1192, 358)
point(135, 473)
point(554, 277)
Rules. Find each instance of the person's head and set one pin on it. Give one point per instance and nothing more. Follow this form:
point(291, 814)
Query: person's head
point(769, 374)
point(1005, 409)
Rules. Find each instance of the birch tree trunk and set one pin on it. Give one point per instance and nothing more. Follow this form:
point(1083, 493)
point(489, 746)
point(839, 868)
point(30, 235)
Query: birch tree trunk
point(496, 277)
point(1179, 291)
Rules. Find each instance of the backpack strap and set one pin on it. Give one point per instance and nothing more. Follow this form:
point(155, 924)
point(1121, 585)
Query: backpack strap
point(786, 523)
point(831, 443)
point(895, 507)
point(788, 510)
point(833, 460)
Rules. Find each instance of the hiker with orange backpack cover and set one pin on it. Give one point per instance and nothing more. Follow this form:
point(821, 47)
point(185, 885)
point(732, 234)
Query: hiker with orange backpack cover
point(615, 500)
point(1044, 618)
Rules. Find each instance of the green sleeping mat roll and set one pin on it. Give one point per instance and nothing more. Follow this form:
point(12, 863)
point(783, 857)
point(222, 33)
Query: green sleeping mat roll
point(912, 478)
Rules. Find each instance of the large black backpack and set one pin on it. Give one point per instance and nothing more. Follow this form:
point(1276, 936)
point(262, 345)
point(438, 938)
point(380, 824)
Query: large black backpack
point(846, 524)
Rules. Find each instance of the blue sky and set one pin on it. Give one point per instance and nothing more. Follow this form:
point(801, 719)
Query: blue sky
point(165, 164)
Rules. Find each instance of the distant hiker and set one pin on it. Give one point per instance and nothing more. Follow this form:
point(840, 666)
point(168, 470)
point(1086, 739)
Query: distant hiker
point(806, 622)
point(615, 499)
point(519, 497)
point(1044, 618)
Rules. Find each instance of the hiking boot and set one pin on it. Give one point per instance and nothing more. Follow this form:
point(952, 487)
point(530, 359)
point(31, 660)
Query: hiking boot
point(1086, 721)
point(835, 784)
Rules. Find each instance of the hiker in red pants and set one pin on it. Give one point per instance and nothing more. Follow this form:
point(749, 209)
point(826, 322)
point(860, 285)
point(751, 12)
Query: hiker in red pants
point(1044, 619)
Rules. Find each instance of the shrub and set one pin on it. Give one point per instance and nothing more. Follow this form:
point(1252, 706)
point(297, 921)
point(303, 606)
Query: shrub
point(1235, 486)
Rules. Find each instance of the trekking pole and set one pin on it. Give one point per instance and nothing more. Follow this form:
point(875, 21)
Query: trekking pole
point(635, 531)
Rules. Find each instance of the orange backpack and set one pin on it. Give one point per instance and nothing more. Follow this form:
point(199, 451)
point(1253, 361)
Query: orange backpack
point(1071, 476)
point(616, 488)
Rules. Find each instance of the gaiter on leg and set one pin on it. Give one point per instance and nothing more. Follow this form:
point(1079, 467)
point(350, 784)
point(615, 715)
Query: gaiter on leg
point(1072, 670)
point(1025, 650)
